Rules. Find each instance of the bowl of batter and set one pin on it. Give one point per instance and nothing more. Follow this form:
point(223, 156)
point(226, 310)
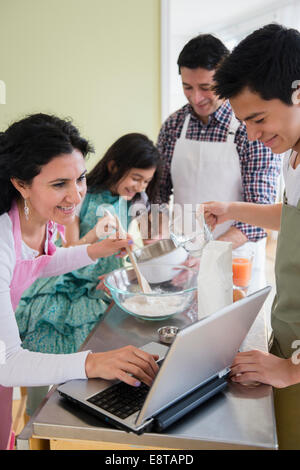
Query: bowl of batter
point(167, 298)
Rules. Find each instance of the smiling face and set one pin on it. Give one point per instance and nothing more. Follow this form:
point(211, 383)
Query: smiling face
point(135, 181)
point(197, 85)
point(272, 122)
point(56, 190)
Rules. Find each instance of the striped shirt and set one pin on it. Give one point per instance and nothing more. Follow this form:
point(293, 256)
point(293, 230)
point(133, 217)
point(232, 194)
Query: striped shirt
point(260, 168)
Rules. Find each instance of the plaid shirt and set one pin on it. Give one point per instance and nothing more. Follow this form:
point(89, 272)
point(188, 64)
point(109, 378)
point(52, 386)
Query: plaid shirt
point(260, 168)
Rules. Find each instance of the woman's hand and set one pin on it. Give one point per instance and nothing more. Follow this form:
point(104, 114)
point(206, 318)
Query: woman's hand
point(192, 262)
point(216, 213)
point(129, 364)
point(185, 274)
point(109, 246)
point(102, 286)
point(263, 367)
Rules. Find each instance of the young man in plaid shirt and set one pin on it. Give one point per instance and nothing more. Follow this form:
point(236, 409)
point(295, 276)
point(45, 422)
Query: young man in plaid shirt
point(205, 150)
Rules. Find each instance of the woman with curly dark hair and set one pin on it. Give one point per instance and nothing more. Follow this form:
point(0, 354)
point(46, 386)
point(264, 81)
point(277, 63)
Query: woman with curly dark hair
point(42, 180)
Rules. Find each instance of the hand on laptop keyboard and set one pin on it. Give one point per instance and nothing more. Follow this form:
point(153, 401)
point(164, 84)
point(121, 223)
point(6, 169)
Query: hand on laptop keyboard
point(129, 364)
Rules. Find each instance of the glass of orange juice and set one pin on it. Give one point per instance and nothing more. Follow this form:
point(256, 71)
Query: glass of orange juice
point(241, 268)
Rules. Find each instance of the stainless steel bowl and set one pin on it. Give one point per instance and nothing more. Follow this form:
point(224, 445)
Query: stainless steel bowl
point(159, 248)
point(167, 334)
point(163, 254)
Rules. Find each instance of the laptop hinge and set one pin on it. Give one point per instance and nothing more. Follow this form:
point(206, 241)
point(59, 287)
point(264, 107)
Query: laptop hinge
point(190, 402)
point(224, 372)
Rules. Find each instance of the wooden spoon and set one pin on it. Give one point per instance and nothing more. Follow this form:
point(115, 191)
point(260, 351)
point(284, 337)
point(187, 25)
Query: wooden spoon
point(143, 283)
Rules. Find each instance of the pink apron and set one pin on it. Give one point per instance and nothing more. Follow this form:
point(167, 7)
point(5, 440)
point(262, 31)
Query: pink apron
point(25, 273)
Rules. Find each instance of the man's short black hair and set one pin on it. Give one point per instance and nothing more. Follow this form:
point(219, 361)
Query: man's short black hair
point(205, 51)
point(267, 62)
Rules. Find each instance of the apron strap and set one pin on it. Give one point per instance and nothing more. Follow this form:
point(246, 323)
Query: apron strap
point(285, 198)
point(185, 126)
point(15, 219)
point(285, 201)
point(233, 127)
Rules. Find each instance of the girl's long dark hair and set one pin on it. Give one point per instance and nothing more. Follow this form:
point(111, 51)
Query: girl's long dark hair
point(129, 151)
point(29, 144)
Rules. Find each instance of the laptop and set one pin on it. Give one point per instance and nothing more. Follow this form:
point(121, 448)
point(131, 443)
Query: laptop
point(194, 369)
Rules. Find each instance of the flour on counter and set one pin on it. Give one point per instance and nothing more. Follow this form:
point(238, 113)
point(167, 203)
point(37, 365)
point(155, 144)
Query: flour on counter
point(153, 306)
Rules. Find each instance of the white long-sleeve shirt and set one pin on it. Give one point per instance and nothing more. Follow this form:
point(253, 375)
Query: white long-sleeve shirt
point(20, 367)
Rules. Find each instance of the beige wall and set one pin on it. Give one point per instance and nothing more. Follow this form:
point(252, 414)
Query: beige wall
point(97, 61)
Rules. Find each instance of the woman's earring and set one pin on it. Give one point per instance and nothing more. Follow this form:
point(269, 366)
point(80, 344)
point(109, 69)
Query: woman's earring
point(26, 210)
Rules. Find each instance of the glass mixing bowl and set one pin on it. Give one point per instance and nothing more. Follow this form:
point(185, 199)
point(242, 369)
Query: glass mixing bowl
point(168, 298)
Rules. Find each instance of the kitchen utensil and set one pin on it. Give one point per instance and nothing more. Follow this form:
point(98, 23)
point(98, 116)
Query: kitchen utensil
point(167, 334)
point(163, 253)
point(143, 283)
point(194, 239)
point(166, 299)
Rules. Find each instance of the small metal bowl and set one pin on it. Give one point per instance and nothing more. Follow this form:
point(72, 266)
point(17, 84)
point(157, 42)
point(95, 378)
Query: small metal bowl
point(167, 334)
point(155, 250)
point(162, 254)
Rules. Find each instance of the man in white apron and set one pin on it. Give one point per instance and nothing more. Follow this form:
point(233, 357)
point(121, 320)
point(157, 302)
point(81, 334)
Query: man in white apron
point(206, 152)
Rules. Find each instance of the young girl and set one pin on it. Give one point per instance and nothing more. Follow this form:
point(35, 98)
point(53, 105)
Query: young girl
point(42, 179)
point(55, 315)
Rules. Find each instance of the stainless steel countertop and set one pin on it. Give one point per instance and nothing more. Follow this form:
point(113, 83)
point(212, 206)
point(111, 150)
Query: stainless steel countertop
point(239, 417)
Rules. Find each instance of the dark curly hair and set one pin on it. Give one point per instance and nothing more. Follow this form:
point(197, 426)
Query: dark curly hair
point(29, 144)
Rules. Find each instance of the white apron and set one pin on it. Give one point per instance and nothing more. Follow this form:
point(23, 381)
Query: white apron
point(210, 171)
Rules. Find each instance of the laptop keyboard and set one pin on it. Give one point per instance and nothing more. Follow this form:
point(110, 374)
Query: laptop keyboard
point(121, 399)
